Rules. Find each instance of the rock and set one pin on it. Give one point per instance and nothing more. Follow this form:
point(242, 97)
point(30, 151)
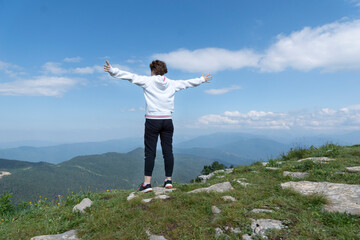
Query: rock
point(300, 175)
point(246, 237)
point(233, 230)
point(85, 203)
point(228, 198)
point(272, 168)
point(2, 174)
point(342, 197)
point(317, 159)
point(162, 197)
point(131, 196)
point(158, 191)
point(69, 235)
point(154, 237)
point(218, 232)
point(204, 178)
point(219, 187)
point(353, 169)
point(215, 210)
point(241, 182)
point(260, 210)
point(260, 226)
point(146, 200)
point(161, 191)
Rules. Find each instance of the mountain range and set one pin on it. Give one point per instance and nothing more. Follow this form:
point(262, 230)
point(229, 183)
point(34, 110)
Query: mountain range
point(95, 172)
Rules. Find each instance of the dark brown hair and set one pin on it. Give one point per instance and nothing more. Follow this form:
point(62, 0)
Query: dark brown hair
point(158, 67)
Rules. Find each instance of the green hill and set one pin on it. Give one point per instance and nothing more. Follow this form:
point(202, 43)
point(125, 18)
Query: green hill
point(95, 172)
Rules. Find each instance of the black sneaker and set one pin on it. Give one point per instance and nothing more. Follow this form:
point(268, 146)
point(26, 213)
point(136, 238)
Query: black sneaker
point(145, 188)
point(168, 183)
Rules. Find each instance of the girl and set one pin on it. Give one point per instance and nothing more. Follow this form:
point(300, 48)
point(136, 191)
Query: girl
point(159, 92)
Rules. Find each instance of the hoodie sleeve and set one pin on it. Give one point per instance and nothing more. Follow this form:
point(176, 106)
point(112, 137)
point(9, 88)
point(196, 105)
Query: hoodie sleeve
point(184, 84)
point(142, 81)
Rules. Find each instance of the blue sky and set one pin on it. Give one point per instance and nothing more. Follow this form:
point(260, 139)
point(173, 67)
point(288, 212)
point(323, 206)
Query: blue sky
point(289, 66)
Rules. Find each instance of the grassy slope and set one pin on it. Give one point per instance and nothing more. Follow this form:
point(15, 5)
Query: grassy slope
point(188, 216)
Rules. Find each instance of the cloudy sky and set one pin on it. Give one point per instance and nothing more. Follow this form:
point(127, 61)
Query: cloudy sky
point(277, 65)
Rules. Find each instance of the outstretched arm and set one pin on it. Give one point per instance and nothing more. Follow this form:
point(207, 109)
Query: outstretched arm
point(184, 84)
point(141, 81)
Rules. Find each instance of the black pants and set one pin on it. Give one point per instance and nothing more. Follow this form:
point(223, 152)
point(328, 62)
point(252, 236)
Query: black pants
point(154, 128)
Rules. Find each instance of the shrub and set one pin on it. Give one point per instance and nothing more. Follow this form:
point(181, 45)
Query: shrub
point(297, 153)
point(213, 167)
point(6, 205)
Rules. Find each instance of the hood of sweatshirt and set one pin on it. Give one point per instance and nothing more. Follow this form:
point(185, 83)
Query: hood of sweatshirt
point(161, 82)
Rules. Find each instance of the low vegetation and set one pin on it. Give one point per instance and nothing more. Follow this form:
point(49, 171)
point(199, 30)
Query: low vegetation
point(189, 216)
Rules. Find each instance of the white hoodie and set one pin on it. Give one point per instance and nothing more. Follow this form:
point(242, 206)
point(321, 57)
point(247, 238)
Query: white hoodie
point(159, 91)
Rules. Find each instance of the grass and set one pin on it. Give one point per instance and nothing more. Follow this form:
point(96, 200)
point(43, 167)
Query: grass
point(189, 216)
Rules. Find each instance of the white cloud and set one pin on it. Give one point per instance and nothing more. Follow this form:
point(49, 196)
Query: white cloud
point(10, 69)
point(216, 119)
point(72, 59)
point(330, 47)
point(83, 70)
point(57, 69)
point(222, 90)
point(53, 68)
point(209, 59)
point(39, 86)
point(326, 118)
point(356, 2)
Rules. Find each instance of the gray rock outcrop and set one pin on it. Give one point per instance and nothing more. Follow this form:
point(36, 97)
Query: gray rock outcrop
point(272, 168)
point(300, 175)
point(154, 237)
point(204, 178)
point(69, 235)
point(342, 197)
point(242, 182)
point(161, 191)
point(162, 196)
point(353, 169)
point(260, 210)
point(131, 196)
point(215, 210)
point(219, 187)
point(261, 226)
point(316, 159)
point(228, 198)
point(219, 232)
point(85, 203)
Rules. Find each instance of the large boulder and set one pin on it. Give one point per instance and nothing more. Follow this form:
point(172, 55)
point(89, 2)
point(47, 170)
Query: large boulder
point(342, 197)
point(85, 203)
